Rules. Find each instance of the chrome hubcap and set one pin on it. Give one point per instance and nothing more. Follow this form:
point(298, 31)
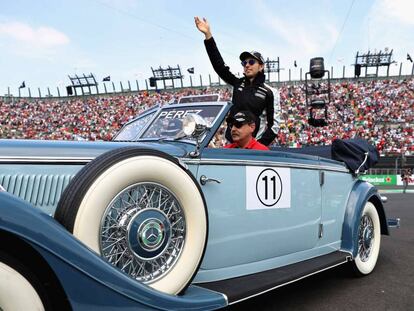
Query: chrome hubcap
point(151, 234)
point(143, 231)
point(365, 238)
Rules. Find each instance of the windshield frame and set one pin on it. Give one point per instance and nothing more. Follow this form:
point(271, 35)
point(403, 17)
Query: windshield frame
point(151, 111)
point(198, 97)
point(213, 126)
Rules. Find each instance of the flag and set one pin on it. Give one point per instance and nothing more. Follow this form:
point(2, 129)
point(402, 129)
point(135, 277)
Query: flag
point(190, 70)
point(23, 85)
point(409, 57)
point(108, 78)
point(294, 64)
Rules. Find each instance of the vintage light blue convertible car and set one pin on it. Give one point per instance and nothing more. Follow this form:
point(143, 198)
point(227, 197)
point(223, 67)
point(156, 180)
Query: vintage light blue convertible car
point(160, 218)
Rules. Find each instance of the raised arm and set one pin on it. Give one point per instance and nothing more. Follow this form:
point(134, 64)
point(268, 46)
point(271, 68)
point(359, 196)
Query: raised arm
point(213, 53)
point(203, 26)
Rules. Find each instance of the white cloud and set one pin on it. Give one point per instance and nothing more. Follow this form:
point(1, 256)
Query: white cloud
point(41, 37)
point(289, 35)
point(309, 38)
point(390, 23)
point(399, 10)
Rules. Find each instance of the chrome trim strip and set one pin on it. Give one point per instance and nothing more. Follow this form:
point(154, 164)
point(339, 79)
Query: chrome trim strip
point(287, 283)
point(44, 159)
point(265, 163)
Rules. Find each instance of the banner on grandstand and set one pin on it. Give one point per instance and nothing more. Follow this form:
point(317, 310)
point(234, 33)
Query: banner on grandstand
point(381, 180)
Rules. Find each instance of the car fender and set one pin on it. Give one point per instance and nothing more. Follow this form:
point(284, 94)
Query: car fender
point(85, 277)
point(361, 193)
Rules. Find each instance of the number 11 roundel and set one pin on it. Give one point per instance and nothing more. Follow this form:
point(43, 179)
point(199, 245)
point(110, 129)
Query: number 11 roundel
point(269, 187)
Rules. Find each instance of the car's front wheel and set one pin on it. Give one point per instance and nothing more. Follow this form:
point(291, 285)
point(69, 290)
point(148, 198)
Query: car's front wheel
point(369, 240)
point(142, 212)
point(19, 287)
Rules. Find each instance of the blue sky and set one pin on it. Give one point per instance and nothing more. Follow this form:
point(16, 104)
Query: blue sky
point(41, 42)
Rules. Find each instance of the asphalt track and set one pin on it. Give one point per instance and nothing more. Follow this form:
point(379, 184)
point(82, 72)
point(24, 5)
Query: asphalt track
point(390, 286)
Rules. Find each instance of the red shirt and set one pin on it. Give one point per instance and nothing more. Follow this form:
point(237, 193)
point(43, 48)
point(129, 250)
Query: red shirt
point(253, 144)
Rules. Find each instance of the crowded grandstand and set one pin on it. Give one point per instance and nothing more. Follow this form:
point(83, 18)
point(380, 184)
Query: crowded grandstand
point(380, 111)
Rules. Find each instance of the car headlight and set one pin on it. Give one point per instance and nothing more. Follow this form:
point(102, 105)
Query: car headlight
point(194, 125)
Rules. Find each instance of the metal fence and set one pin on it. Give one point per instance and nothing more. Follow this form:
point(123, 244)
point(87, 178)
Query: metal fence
point(385, 171)
point(192, 81)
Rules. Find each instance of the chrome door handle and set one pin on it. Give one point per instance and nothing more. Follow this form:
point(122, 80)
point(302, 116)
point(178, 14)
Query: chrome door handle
point(204, 179)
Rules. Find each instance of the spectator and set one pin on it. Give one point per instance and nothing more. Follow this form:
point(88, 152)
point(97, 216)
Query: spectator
point(406, 178)
point(380, 111)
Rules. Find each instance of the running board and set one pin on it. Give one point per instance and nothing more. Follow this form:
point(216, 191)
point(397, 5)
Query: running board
point(241, 288)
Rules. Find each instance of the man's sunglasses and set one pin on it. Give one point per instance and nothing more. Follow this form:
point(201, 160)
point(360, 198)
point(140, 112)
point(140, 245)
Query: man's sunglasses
point(237, 124)
point(251, 62)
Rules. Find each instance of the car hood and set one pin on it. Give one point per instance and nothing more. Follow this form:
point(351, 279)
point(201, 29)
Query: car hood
point(26, 149)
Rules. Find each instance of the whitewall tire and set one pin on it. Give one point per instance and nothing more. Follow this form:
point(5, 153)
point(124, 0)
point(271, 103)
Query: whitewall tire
point(141, 211)
point(16, 292)
point(369, 240)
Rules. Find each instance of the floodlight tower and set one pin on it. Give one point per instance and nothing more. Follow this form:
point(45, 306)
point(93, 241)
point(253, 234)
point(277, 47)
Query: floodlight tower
point(165, 74)
point(272, 66)
point(369, 59)
point(80, 82)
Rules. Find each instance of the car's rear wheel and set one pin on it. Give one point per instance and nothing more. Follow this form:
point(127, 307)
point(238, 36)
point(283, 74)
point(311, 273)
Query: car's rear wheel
point(141, 211)
point(369, 240)
point(19, 287)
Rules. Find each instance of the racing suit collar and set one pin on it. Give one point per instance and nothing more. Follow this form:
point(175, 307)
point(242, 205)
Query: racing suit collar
point(259, 79)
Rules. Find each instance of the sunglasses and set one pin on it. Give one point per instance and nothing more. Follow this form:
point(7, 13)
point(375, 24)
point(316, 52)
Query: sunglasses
point(251, 62)
point(237, 124)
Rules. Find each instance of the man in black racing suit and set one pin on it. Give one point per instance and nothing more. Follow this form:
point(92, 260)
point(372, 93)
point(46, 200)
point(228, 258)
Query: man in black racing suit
point(250, 92)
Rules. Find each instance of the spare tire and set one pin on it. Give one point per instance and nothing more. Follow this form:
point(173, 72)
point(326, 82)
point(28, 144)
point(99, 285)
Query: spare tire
point(141, 211)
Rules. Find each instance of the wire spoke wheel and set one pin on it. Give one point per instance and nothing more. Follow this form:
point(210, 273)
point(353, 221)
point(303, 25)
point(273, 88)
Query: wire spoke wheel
point(143, 212)
point(366, 238)
point(368, 241)
point(143, 231)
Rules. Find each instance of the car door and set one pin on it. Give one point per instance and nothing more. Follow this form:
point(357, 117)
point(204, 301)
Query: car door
point(261, 205)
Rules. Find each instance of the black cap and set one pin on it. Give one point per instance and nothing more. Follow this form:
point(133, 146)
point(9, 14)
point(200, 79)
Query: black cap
point(252, 54)
point(242, 117)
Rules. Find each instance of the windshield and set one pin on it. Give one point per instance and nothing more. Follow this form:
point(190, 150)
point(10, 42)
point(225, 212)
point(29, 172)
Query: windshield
point(168, 123)
point(131, 130)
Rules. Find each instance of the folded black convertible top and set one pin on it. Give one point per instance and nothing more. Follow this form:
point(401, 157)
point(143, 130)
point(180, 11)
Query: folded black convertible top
point(357, 154)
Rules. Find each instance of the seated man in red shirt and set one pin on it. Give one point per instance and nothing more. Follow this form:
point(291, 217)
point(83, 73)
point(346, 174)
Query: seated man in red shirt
point(242, 126)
